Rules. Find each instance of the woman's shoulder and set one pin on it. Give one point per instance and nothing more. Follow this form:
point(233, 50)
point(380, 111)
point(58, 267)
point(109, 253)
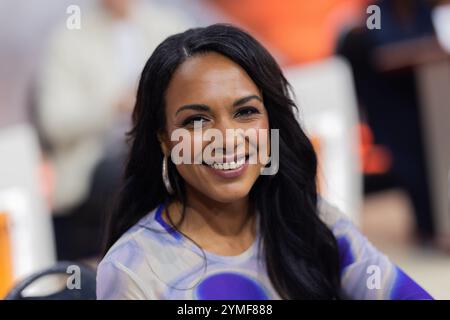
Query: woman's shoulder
point(124, 270)
point(346, 232)
point(137, 243)
point(366, 273)
point(331, 215)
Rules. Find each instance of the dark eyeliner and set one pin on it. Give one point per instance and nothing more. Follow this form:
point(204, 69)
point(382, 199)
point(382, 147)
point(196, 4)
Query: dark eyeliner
point(191, 119)
point(253, 109)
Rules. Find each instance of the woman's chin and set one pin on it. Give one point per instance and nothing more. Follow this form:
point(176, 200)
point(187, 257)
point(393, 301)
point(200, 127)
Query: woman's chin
point(228, 194)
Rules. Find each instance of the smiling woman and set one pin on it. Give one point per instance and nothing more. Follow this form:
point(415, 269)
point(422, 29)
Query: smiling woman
point(224, 231)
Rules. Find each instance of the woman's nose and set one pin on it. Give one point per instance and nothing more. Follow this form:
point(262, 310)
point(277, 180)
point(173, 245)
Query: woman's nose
point(231, 132)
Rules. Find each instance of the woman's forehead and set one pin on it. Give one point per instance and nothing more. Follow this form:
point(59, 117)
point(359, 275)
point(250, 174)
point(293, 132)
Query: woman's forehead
point(211, 77)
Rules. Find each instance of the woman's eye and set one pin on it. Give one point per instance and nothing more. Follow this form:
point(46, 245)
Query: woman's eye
point(247, 111)
point(192, 120)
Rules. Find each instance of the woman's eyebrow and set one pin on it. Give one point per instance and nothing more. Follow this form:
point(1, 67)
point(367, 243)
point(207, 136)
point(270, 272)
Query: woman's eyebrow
point(205, 108)
point(197, 107)
point(246, 99)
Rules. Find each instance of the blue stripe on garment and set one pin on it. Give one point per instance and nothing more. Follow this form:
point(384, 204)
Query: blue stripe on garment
point(168, 228)
point(404, 288)
point(345, 253)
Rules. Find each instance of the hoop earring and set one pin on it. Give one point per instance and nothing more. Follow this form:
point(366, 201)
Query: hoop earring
point(165, 176)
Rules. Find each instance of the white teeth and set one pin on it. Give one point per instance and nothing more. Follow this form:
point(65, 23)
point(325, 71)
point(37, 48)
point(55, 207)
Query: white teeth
point(217, 166)
point(229, 165)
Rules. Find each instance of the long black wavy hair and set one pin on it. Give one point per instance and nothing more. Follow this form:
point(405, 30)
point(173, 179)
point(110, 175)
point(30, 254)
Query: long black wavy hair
point(300, 251)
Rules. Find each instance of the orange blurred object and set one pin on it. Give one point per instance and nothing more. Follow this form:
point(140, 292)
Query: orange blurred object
point(301, 30)
point(6, 268)
point(375, 159)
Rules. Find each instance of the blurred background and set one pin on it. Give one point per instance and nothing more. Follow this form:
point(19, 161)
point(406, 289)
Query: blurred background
point(371, 78)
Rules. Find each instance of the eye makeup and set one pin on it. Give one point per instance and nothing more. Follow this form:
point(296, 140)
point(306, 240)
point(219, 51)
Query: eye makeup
point(191, 120)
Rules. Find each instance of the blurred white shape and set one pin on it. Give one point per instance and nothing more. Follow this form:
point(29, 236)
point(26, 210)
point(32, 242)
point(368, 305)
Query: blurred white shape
point(328, 112)
point(30, 221)
point(441, 22)
point(88, 81)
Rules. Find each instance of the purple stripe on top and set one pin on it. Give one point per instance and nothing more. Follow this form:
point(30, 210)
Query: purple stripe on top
point(167, 227)
point(346, 257)
point(405, 288)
